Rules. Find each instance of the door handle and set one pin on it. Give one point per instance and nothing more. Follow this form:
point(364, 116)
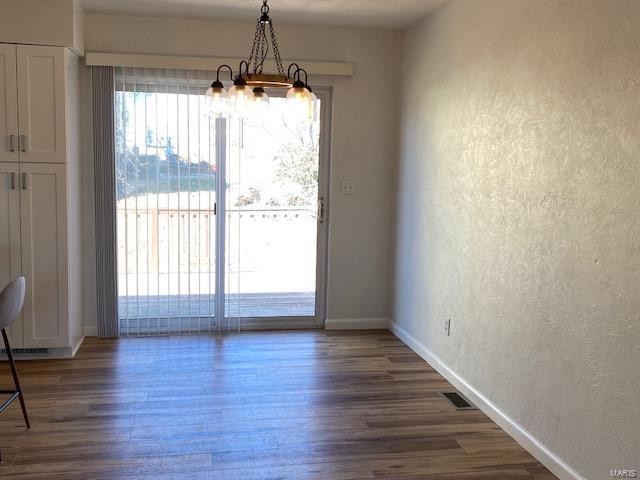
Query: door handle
point(12, 143)
point(320, 210)
point(13, 180)
point(24, 181)
point(23, 143)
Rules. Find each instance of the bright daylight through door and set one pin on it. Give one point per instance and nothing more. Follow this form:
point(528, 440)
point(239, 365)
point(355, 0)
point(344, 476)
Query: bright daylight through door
point(217, 224)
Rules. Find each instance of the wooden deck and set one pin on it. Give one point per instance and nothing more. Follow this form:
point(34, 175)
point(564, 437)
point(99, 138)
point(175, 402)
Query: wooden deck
point(251, 406)
point(200, 306)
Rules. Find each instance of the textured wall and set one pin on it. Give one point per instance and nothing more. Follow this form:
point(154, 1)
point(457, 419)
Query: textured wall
point(519, 214)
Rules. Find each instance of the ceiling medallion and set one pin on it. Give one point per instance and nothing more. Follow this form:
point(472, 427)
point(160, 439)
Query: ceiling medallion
point(250, 83)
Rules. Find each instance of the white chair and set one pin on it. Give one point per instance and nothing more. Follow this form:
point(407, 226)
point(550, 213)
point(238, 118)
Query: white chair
point(11, 301)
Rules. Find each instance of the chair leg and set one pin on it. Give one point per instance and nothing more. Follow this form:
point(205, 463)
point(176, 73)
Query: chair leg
point(12, 364)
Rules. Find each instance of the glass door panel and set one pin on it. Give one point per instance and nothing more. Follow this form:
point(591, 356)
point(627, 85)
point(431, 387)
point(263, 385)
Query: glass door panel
point(272, 195)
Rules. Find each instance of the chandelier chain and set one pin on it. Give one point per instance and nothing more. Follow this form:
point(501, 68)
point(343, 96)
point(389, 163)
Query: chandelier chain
point(255, 44)
point(260, 48)
point(264, 49)
point(276, 50)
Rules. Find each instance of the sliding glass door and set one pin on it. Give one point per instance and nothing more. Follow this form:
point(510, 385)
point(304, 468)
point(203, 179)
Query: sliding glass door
point(220, 220)
point(273, 200)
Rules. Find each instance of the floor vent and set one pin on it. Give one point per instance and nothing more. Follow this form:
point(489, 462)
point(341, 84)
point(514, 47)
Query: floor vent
point(457, 400)
point(25, 351)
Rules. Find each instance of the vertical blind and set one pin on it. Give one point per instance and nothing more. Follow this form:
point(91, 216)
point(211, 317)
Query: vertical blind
point(103, 135)
point(166, 182)
point(175, 164)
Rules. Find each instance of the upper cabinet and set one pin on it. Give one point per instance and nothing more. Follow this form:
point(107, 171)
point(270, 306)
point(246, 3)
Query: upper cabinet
point(8, 104)
point(41, 104)
point(33, 104)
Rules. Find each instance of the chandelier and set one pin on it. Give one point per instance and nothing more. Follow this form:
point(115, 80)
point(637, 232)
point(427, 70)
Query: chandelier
point(250, 82)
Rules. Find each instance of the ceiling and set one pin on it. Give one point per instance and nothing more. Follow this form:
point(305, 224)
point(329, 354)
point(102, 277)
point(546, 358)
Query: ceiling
point(393, 14)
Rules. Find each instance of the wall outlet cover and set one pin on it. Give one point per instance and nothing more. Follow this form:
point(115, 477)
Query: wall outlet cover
point(347, 187)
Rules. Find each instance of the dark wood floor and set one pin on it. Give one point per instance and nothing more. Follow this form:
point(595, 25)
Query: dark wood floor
point(263, 406)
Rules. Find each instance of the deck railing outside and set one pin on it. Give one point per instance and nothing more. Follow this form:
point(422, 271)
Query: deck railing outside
point(168, 255)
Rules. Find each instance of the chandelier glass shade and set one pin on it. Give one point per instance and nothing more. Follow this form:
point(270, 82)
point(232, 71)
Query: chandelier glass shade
point(251, 81)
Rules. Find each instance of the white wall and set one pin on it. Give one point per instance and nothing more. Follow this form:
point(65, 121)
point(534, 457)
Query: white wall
point(365, 123)
point(519, 215)
point(42, 22)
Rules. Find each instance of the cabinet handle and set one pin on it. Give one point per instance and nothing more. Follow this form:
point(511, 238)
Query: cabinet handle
point(13, 180)
point(24, 181)
point(12, 143)
point(23, 143)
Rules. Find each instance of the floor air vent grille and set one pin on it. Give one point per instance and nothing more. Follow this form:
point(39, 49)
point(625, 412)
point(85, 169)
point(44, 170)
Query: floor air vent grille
point(25, 351)
point(457, 400)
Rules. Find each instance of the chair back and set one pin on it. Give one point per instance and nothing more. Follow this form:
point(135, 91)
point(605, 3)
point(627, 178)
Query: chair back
point(11, 301)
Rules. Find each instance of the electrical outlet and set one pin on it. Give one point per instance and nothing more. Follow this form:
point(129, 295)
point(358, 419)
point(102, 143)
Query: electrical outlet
point(447, 327)
point(348, 187)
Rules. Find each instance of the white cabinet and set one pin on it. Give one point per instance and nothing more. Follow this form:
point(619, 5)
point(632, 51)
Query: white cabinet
point(43, 207)
point(10, 260)
point(41, 103)
point(39, 172)
point(8, 104)
point(34, 97)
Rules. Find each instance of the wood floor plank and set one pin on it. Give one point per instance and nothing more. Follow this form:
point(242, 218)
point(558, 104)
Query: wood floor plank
point(250, 406)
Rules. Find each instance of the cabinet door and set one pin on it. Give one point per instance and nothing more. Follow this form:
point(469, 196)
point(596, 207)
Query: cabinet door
point(43, 207)
point(8, 104)
point(41, 104)
point(10, 238)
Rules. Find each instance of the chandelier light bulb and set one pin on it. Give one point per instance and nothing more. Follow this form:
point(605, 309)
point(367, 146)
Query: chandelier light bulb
point(238, 93)
point(312, 108)
point(216, 95)
point(239, 96)
point(259, 99)
point(259, 96)
point(298, 94)
point(300, 99)
point(218, 98)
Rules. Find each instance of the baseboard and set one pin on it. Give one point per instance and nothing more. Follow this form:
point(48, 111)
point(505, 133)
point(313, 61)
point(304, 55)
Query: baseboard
point(545, 456)
point(90, 331)
point(356, 324)
point(77, 345)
